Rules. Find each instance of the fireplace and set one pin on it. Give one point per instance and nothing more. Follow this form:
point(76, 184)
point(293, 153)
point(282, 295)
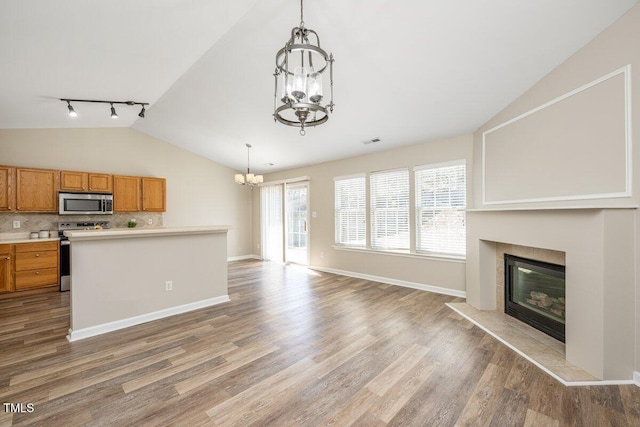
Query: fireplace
point(535, 294)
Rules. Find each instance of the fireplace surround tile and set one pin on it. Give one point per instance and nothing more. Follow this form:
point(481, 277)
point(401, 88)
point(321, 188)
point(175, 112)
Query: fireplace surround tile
point(536, 346)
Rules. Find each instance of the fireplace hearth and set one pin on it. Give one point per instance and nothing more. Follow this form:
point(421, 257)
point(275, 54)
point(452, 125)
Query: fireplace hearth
point(535, 294)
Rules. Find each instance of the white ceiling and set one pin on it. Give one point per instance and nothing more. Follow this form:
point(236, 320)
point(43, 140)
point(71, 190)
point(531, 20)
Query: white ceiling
point(406, 71)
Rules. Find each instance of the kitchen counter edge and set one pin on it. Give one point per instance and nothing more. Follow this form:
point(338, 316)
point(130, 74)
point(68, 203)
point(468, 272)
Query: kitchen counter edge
point(128, 233)
point(16, 240)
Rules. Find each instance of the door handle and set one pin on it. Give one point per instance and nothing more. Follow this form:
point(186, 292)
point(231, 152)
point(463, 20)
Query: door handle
point(305, 226)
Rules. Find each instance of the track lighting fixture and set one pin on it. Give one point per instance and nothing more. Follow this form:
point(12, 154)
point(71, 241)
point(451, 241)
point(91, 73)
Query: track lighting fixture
point(114, 115)
point(72, 112)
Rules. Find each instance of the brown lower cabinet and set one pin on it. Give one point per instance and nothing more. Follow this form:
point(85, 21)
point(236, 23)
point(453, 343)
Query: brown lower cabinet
point(5, 268)
point(29, 266)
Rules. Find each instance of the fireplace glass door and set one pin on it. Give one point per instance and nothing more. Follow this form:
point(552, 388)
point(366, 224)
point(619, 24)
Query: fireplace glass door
point(535, 294)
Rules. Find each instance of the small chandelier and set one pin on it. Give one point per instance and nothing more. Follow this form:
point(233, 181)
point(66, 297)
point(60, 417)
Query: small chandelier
point(300, 67)
point(248, 178)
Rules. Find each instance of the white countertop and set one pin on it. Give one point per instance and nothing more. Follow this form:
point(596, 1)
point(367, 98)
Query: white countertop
point(22, 237)
point(127, 233)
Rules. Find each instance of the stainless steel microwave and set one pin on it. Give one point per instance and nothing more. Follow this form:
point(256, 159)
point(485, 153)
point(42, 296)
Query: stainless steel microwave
point(85, 204)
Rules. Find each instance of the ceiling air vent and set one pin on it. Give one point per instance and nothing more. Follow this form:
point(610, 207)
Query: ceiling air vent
point(371, 141)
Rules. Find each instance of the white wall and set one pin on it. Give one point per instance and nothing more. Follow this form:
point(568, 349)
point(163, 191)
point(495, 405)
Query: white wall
point(199, 191)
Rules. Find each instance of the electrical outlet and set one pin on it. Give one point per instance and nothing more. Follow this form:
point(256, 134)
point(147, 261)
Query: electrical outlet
point(150, 221)
point(321, 255)
point(168, 285)
point(16, 224)
point(258, 246)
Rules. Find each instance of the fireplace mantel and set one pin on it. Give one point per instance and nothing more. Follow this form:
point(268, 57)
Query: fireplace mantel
point(600, 274)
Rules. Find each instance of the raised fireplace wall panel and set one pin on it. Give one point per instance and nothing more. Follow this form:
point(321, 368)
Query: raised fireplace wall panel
point(619, 290)
point(574, 147)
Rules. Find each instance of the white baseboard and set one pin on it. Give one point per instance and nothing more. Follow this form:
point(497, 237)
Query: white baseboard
point(79, 334)
point(636, 378)
point(243, 257)
point(403, 283)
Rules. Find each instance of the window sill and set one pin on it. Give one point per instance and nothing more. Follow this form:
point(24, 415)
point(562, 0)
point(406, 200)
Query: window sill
point(434, 257)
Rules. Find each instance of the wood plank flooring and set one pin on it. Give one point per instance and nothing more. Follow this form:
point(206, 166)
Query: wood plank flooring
point(292, 348)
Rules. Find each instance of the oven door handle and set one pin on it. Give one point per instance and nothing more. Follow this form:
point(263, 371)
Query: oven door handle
point(64, 243)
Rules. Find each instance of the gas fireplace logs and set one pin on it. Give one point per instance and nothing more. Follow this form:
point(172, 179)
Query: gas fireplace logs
point(547, 303)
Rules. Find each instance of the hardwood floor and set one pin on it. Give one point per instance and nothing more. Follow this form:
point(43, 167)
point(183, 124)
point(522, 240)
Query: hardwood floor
point(293, 347)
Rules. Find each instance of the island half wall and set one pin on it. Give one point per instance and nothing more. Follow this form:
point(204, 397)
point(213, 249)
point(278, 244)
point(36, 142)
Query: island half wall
point(119, 277)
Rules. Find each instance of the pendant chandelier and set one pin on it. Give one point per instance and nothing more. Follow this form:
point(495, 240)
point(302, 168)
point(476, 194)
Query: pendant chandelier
point(248, 178)
point(300, 68)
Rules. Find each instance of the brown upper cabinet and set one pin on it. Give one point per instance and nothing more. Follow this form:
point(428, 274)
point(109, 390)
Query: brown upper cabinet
point(84, 181)
point(154, 194)
point(36, 190)
point(126, 193)
point(7, 188)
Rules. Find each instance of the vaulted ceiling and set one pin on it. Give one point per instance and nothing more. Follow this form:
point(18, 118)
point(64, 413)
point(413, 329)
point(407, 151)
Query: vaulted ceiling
point(405, 72)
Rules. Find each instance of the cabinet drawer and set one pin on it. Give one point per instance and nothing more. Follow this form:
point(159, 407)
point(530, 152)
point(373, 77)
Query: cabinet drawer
point(36, 260)
point(36, 278)
point(37, 247)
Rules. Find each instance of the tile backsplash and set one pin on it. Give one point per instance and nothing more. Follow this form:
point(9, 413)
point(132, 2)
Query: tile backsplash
point(44, 221)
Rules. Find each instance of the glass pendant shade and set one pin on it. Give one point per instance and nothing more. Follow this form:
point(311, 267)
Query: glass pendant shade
point(299, 83)
point(286, 88)
point(315, 87)
point(239, 178)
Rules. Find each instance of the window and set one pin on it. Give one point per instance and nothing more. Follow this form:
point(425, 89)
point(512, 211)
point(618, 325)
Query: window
point(390, 210)
point(351, 214)
point(440, 209)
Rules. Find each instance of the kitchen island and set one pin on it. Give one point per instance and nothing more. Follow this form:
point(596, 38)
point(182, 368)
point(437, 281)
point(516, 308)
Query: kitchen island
point(125, 277)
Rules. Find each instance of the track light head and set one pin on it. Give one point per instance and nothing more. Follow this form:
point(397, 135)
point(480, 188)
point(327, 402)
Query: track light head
point(141, 114)
point(72, 112)
point(114, 115)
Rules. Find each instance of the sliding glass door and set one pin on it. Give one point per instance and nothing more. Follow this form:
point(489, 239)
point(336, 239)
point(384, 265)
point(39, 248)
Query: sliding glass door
point(284, 222)
point(297, 222)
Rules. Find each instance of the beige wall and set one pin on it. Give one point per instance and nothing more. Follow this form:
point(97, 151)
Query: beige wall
point(199, 191)
point(614, 48)
point(429, 272)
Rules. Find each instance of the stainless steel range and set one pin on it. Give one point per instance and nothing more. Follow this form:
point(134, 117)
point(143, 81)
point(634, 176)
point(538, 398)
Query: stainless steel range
point(65, 247)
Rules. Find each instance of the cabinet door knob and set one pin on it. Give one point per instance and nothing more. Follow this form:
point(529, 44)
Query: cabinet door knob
point(8, 258)
point(37, 255)
point(37, 272)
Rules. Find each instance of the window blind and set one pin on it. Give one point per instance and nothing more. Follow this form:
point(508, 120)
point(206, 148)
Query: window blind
point(440, 209)
point(390, 210)
point(350, 215)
